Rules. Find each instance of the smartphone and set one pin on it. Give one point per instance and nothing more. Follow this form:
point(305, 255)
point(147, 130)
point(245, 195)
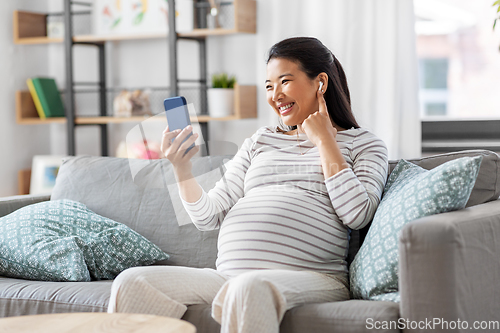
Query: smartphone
point(177, 115)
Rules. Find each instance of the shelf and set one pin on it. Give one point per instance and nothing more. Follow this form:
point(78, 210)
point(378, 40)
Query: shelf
point(26, 112)
point(37, 40)
point(245, 106)
point(111, 38)
point(108, 120)
point(88, 38)
point(31, 28)
point(23, 181)
point(197, 33)
point(245, 101)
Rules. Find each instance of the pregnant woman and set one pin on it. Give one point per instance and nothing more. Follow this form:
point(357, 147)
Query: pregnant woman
point(284, 205)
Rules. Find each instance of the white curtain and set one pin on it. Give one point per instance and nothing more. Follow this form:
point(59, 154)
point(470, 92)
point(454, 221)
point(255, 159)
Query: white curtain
point(375, 42)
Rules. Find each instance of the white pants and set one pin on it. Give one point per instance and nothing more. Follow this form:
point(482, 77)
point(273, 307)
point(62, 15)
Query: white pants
point(251, 302)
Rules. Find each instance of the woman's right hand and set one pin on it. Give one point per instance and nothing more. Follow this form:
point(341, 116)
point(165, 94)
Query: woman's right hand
point(175, 151)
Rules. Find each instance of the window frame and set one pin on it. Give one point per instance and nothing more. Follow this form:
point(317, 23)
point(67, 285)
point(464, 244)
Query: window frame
point(448, 135)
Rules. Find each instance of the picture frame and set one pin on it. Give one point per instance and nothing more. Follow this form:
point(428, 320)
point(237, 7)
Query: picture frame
point(139, 17)
point(44, 171)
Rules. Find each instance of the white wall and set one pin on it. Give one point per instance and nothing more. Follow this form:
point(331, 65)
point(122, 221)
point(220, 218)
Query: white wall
point(18, 143)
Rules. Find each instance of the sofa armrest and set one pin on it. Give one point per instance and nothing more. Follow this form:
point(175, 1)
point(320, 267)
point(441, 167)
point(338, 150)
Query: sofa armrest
point(450, 267)
point(10, 204)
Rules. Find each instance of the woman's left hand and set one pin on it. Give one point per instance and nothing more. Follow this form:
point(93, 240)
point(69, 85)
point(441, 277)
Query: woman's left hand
point(318, 126)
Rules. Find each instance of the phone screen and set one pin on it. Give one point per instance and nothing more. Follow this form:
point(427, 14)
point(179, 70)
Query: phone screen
point(177, 114)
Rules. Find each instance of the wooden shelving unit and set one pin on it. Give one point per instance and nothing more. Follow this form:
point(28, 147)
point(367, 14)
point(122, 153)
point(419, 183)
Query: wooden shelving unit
point(113, 38)
point(26, 114)
point(31, 28)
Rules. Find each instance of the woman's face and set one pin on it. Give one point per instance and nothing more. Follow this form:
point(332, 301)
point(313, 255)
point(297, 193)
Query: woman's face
point(290, 92)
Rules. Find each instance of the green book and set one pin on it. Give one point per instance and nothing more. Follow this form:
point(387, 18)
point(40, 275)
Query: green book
point(49, 96)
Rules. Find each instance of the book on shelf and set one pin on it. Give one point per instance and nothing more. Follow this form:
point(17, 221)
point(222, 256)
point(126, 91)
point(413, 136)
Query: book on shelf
point(36, 101)
point(46, 96)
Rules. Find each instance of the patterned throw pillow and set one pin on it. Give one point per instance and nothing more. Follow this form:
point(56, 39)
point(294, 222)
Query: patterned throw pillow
point(411, 192)
point(63, 240)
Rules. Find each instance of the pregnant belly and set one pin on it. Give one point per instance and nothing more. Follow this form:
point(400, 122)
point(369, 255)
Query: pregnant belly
point(281, 230)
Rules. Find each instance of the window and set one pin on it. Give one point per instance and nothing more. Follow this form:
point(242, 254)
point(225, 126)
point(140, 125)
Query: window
point(459, 59)
point(459, 72)
point(433, 73)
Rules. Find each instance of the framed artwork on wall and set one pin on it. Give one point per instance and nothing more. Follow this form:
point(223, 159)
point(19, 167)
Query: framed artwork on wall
point(110, 17)
point(44, 171)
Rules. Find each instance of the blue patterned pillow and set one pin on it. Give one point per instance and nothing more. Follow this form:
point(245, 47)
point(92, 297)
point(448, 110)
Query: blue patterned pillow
point(411, 192)
point(63, 240)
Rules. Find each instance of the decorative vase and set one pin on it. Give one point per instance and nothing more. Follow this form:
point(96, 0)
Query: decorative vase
point(220, 102)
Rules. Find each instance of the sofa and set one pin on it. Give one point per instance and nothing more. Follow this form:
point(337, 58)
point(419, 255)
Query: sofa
point(449, 264)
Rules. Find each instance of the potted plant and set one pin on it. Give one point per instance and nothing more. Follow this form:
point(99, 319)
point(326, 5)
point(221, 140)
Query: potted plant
point(221, 95)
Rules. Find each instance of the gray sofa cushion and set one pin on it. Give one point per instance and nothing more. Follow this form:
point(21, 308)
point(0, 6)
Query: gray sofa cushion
point(22, 297)
point(487, 187)
point(200, 315)
point(348, 316)
point(345, 317)
point(142, 194)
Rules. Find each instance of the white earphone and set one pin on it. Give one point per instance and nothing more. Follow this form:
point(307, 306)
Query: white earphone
point(320, 86)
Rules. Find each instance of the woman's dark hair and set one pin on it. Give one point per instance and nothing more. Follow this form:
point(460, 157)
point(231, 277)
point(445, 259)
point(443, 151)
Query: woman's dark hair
point(314, 58)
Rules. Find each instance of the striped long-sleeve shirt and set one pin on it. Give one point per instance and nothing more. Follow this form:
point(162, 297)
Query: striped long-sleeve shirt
point(275, 209)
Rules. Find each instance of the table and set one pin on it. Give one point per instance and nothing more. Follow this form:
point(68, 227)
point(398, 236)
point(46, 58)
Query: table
point(94, 322)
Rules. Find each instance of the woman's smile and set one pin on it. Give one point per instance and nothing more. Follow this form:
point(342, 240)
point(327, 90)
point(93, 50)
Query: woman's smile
point(285, 108)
